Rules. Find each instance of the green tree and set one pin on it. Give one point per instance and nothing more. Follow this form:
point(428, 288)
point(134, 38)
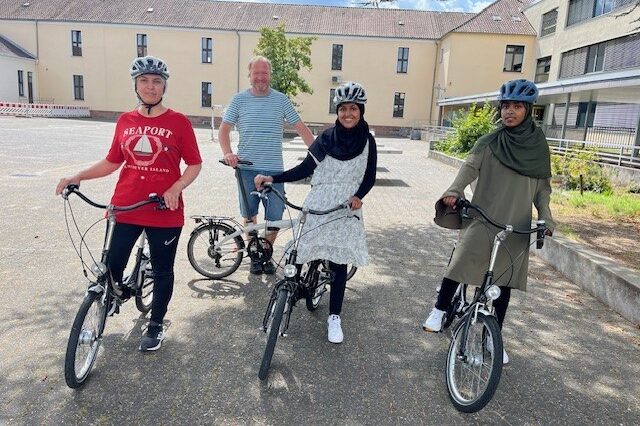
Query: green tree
point(469, 125)
point(288, 56)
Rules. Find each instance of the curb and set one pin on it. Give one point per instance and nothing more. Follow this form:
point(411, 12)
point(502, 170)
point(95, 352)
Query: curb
point(613, 284)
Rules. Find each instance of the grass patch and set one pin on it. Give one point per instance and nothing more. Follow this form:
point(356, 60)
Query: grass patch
point(618, 205)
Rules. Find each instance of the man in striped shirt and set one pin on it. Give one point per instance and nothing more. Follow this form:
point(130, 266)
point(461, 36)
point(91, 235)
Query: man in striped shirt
point(259, 114)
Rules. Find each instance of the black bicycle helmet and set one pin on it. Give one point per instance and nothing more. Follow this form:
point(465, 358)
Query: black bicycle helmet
point(519, 91)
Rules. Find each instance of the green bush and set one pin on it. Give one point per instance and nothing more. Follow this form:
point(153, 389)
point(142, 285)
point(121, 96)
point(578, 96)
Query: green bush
point(470, 125)
point(575, 163)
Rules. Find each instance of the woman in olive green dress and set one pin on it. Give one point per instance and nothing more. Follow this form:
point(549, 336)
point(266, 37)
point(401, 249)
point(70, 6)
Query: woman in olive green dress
point(513, 168)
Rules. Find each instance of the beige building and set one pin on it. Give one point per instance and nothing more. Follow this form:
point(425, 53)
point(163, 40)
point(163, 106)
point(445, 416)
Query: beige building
point(418, 66)
point(586, 55)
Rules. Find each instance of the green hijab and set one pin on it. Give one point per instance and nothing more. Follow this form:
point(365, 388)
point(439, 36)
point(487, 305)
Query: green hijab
point(523, 148)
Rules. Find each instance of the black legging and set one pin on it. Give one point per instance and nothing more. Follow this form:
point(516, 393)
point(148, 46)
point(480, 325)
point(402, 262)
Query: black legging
point(163, 243)
point(338, 286)
point(448, 289)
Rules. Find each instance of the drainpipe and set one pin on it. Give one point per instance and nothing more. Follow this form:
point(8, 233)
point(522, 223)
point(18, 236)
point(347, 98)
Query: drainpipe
point(238, 64)
point(433, 85)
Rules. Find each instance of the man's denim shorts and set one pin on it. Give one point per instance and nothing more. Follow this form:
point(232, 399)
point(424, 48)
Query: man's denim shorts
point(273, 205)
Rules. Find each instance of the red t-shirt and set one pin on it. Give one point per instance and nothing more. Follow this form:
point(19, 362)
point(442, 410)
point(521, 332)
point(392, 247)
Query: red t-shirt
point(151, 149)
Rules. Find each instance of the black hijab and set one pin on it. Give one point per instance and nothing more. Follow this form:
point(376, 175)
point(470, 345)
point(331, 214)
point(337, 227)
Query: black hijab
point(341, 143)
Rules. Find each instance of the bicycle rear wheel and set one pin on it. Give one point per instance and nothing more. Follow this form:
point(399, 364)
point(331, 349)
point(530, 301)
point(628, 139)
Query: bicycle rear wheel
point(473, 376)
point(208, 256)
point(272, 328)
point(144, 297)
point(85, 339)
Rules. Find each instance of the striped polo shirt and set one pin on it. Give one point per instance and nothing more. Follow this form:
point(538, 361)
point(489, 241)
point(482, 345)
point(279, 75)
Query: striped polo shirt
point(260, 122)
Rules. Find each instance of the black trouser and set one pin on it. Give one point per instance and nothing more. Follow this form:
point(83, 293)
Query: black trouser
point(163, 243)
point(448, 289)
point(338, 286)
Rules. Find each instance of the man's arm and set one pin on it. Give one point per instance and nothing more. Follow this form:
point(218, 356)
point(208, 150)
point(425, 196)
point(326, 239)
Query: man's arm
point(224, 139)
point(304, 133)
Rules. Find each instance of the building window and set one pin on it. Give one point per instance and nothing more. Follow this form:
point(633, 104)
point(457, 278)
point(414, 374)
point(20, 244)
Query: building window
point(604, 6)
point(542, 70)
point(403, 60)
point(207, 50)
point(20, 83)
point(332, 106)
point(549, 20)
point(398, 105)
point(586, 119)
point(141, 42)
point(336, 57)
point(207, 90)
point(513, 58)
point(78, 88)
point(76, 43)
point(595, 58)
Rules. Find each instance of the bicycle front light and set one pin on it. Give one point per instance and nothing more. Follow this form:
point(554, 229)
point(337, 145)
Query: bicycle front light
point(98, 269)
point(493, 292)
point(290, 271)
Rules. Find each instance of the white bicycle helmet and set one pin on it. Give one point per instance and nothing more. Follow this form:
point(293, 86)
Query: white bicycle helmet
point(149, 65)
point(350, 92)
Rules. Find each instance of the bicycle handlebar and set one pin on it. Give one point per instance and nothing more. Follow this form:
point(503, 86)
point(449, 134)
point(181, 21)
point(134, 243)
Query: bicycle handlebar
point(268, 187)
point(243, 162)
point(75, 189)
point(541, 226)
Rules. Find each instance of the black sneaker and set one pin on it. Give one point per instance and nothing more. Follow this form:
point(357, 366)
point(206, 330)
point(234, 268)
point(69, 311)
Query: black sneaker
point(269, 267)
point(256, 267)
point(153, 340)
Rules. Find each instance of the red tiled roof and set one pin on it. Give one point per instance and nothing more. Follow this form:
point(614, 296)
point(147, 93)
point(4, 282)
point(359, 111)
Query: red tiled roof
point(222, 15)
point(501, 17)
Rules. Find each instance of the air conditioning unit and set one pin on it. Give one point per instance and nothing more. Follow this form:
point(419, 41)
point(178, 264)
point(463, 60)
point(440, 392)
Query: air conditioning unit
point(336, 79)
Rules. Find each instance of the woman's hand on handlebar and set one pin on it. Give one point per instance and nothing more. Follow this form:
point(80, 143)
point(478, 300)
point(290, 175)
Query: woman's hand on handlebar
point(259, 180)
point(449, 201)
point(355, 203)
point(231, 159)
point(64, 182)
point(172, 195)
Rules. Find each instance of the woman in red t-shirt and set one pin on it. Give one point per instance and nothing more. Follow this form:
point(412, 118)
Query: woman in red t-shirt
point(150, 141)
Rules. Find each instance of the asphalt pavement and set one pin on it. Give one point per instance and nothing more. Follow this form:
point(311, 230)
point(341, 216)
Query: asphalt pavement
point(573, 360)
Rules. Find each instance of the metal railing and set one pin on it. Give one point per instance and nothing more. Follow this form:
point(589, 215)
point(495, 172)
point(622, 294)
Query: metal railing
point(620, 154)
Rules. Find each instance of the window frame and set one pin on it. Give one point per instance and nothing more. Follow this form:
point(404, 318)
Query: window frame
point(548, 28)
point(206, 45)
point(512, 55)
point(402, 65)
point(597, 60)
point(76, 43)
point(78, 87)
point(141, 44)
point(547, 65)
point(332, 106)
point(399, 99)
point(336, 57)
point(21, 83)
point(206, 94)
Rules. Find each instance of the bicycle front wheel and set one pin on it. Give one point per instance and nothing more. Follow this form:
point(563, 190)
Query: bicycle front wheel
point(84, 340)
point(316, 282)
point(273, 331)
point(473, 374)
point(351, 271)
point(210, 257)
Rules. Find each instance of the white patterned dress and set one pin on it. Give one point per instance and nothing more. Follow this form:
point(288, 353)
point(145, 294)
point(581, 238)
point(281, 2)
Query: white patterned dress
point(338, 236)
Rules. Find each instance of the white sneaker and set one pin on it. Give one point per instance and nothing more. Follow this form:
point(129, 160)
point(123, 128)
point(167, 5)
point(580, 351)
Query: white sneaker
point(505, 357)
point(334, 329)
point(433, 323)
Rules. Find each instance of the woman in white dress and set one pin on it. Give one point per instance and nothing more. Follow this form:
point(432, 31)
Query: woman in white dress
point(343, 163)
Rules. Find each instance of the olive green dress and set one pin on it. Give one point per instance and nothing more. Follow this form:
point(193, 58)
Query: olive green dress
point(507, 197)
